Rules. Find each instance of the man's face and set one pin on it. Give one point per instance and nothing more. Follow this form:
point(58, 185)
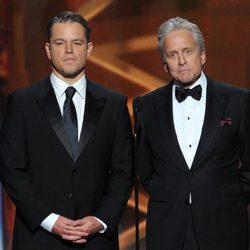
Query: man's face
point(68, 51)
point(183, 57)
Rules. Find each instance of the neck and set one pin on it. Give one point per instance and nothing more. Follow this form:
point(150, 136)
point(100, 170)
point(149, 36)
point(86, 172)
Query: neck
point(71, 79)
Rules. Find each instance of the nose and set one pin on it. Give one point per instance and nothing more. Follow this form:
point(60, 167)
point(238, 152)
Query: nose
point(182, 59)
point(68, 48)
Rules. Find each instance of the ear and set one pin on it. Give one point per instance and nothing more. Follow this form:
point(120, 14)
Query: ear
point(89, 49)
point(203, 57)
point(47, 48)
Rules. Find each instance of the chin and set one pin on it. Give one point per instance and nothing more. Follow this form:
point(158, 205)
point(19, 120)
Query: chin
point(71, 74)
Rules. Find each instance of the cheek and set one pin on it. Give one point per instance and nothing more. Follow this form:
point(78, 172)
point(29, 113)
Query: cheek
point(83, 56)
point(55, 56)
point(196, 63)
point(173, 70)
point(171, 67)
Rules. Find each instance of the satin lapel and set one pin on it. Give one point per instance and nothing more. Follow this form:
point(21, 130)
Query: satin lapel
point(215, 107)
point(93, 110)
point(48, 103)
point(164, 109)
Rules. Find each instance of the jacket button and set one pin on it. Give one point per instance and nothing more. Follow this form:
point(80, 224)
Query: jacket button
point(186, 202)
point(74, 169)
point(70, 195)
point(193, 173)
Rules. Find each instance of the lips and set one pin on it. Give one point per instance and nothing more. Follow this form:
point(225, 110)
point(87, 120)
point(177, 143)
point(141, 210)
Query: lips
point(183, 70)
point(69, 59)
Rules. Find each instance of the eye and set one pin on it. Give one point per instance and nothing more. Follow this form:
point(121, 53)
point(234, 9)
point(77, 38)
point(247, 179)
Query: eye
point(58, 43)
point(78, 43)
point(171, 55)
point(188, 51)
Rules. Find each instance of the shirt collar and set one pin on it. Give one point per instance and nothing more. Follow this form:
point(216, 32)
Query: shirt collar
point(60, 86)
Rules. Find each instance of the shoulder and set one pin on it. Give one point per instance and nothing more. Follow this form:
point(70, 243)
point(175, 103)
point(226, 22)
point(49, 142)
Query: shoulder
point(235, 96)
point(157, 94)
point(226, 88)
point(34, 89)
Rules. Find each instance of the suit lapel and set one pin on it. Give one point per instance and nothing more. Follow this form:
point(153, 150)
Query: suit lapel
point(48, 103)
point(93, 110)
point(215, 107)
point(164, 109)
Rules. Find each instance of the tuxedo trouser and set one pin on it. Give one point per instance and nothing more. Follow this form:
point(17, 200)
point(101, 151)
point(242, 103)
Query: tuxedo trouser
point(190, 241)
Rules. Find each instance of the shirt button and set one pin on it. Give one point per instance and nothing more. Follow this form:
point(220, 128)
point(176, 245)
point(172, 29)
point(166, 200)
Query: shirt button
point(70, 195)
point(190, 145)
point(188, 118)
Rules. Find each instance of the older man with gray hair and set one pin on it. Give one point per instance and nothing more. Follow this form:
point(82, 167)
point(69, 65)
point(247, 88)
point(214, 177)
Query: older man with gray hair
point(193, 151)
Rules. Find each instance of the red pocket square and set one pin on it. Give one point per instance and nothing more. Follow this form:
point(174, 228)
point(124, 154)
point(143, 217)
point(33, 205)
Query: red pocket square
point(227, 121)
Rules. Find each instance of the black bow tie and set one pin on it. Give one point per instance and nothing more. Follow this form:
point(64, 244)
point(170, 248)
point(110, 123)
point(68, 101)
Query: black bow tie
point(181, 93)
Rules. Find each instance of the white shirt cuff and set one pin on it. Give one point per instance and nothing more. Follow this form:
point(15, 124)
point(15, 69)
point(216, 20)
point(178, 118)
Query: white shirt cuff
point(104, 226)
point(49, 222)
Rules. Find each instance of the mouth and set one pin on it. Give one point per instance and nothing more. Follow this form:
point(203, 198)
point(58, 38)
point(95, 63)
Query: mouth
point(69, 59)
point(183, 70)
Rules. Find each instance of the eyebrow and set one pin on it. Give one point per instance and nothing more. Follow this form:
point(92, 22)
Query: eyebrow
point(62, 39)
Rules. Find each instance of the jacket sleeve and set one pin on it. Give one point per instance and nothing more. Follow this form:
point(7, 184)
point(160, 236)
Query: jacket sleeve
point(143, 160)
point(14, 162)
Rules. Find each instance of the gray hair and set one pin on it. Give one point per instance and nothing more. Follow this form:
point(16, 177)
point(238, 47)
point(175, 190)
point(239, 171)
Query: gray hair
point(177, 23)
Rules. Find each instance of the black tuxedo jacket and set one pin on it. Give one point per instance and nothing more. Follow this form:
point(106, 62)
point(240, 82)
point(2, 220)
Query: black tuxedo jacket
point(219, 178)
point(41, 177)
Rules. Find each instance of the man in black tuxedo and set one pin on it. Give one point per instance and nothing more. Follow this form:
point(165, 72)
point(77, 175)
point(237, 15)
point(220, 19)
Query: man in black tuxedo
point(65, 151)
point(193, 151)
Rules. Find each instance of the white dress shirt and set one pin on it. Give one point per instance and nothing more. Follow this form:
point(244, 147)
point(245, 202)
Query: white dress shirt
point(188, 120)
point(79, 98)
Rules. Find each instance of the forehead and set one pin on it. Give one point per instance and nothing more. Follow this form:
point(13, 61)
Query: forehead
point(67, 29)
point(178, 39)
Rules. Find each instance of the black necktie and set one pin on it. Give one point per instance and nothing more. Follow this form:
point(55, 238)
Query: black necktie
point(70, 119)
point(181, 93)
